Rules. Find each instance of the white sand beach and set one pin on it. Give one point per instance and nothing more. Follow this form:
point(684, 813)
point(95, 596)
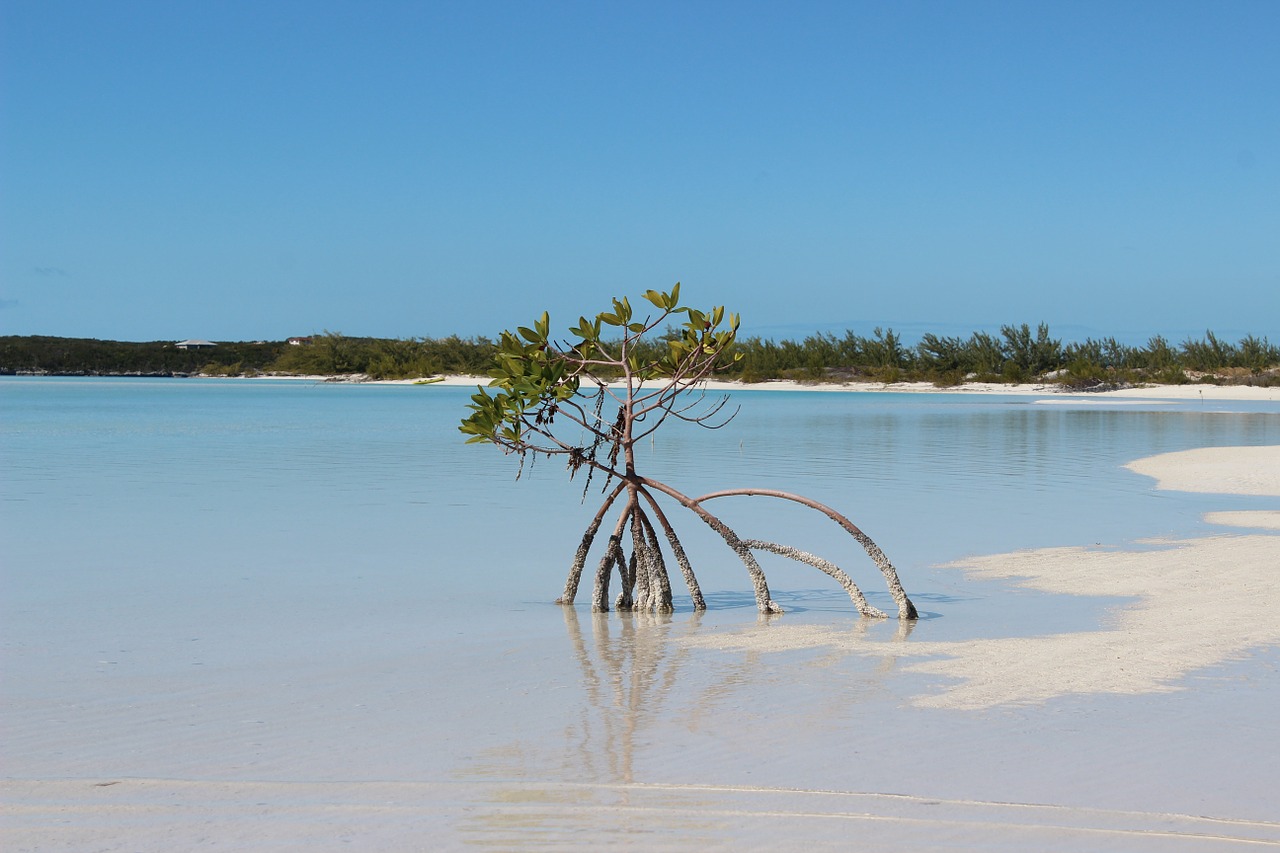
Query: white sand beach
point(1050, 392)
point(1053, 392)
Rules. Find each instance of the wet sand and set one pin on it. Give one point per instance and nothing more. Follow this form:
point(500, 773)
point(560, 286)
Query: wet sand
point(162, 814)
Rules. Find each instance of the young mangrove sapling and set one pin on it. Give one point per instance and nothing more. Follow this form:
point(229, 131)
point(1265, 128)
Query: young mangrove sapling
point(591, 398)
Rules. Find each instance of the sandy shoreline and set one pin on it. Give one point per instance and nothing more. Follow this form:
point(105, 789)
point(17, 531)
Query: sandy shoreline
point(1155, 392)
point(1048, 390)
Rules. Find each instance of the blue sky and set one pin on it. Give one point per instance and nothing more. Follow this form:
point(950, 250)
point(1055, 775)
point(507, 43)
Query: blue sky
point(254, 170)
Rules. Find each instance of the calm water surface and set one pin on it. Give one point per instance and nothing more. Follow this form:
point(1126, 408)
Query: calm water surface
point(117, 484)
point(284, 580)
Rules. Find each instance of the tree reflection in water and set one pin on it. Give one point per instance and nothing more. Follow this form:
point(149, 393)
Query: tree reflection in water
point(628, 684)
point(665, 701)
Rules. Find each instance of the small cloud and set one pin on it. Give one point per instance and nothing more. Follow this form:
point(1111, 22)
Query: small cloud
point(8, 304)
point(51, 272)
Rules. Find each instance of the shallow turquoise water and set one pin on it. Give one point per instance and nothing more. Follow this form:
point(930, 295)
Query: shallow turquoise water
point(287, 581)
point(117, 484)
point(282, 513)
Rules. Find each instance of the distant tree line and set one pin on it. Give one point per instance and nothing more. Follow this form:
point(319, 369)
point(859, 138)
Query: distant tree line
point(92, 357)
point(333, 354)
point(328, 354)
point(1016, 354)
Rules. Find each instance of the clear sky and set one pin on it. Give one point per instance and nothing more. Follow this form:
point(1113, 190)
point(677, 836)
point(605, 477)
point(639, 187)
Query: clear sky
point(253, 170)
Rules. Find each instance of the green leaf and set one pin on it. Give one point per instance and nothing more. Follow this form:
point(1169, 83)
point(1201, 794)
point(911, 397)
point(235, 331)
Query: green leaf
point(622, 310)
point(658, 299)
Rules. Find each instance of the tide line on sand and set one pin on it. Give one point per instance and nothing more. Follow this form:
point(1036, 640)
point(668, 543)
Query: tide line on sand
point(544, 813)
point(1195, 603)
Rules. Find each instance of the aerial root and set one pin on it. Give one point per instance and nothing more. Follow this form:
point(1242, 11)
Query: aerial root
point(643, 574)
point(677, 549)
point(855, 594)
point(651, 557)
point(764, 603)
point(584, 547)
point(612, 555)
point(906, 610)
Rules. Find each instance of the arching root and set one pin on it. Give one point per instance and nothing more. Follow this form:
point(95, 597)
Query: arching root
point(855, 594)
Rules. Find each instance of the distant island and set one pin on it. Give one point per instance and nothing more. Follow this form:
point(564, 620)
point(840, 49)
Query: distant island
point(1018, 354)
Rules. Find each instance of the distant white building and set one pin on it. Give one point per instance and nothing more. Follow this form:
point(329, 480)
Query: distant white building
point(297, 342)
point(195, 345)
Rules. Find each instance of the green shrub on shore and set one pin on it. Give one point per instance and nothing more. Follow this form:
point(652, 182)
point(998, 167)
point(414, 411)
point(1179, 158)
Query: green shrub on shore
point(334, 354)
point(1017, 355)
point(42, 354)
